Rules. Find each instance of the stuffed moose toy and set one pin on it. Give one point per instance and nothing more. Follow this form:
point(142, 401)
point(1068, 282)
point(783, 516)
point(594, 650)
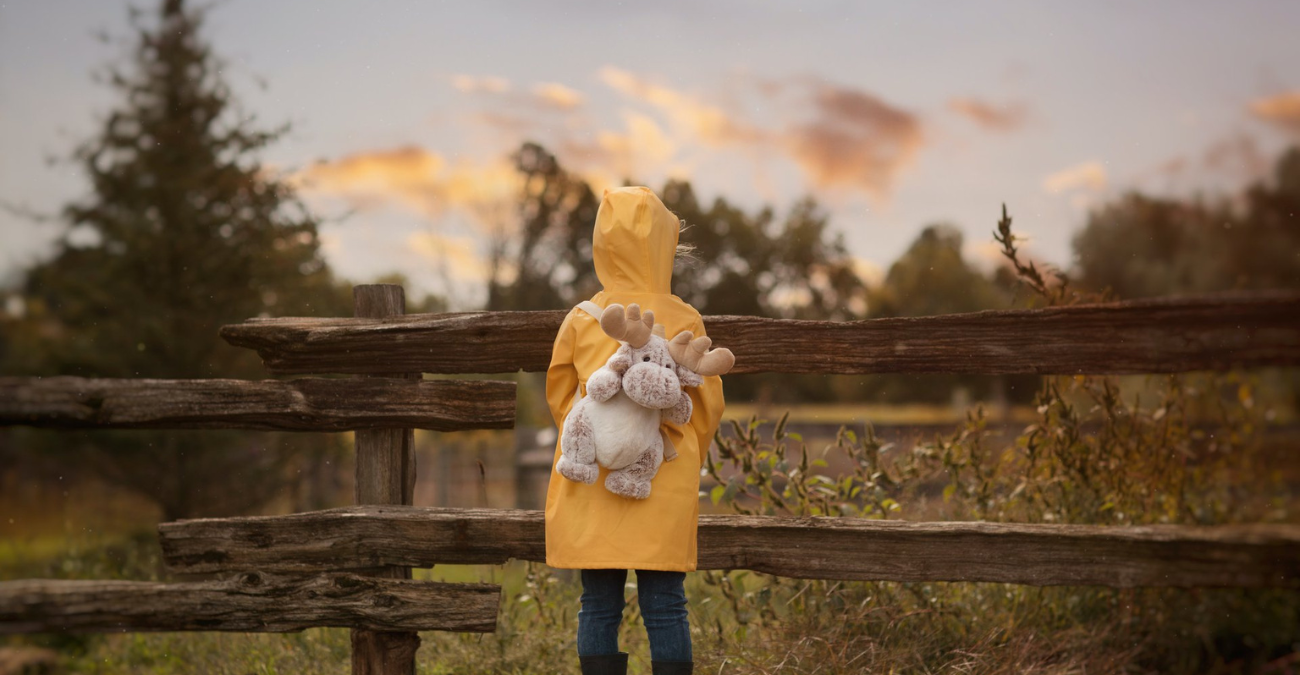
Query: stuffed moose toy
point(616, 425)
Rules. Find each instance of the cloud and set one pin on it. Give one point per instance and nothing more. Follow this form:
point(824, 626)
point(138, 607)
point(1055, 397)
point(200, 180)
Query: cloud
point(1235, 156)
point(518, 125)
point(557, 95)
point(1282, 110)
point(459, 253)
point(839, 136)
point(1009, 117)
point(621, 153)
point(472, 85)
point(415, 178)
point(1238, 155)
point(541, 96)
point(854, 139)
point(1090, 176)
point(708, 123)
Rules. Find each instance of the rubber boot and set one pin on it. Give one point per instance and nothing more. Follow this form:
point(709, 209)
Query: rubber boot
point(671, 667)
point(604, 664)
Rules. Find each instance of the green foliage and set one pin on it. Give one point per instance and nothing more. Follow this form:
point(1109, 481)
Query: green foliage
point(751, 264)
point(1144, 246)
point(1190, 455)
point(546, 263)
point(766, 480)
point(932, 277)
point(184, 230)
point(740, 263)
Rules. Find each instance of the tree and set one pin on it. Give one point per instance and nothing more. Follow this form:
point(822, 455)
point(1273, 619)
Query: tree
point(801, 270)
point(546, 263)
point(739, 266)
point(1143, 246)
point(742, 263)
point(183, 232)
point(932, 277)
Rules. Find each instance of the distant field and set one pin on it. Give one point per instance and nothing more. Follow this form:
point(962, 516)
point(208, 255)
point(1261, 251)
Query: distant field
point(877, 414)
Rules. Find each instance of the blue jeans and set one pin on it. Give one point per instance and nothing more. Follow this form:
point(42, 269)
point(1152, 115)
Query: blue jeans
point(662, 597)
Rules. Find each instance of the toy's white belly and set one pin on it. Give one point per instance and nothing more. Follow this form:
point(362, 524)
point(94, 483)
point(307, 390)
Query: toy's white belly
point(622, 430)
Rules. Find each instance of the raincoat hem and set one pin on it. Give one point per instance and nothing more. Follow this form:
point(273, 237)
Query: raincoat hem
point(621, 565)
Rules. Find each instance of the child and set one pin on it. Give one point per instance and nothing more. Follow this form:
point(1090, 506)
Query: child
point(587, 526)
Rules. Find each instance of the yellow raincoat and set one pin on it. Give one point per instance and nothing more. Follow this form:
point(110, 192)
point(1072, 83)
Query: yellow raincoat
point(587, 526)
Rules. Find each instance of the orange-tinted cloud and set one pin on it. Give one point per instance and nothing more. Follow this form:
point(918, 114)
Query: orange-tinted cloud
point(557, 95)
point(621, 153)
point(1238, 155)
point(459, 253)
point(708, 123)
point(1282, 110)
point(518, 125)
point(543, 95)
point(1089, 176)
point(470, 84)
point(992, 117)
point(840, 136)
point(420, 180)
point(854, 139)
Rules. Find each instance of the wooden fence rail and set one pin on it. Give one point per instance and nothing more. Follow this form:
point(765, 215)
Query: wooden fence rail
point(296, 583)
point(248, 602)
point(308, 404)
point(809, 548)
point(1164, 335)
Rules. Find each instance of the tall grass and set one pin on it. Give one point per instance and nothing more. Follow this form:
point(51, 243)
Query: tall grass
point(1184, 449)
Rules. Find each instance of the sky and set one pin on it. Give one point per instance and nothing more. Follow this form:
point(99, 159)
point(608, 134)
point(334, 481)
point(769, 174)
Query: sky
point(892, 115)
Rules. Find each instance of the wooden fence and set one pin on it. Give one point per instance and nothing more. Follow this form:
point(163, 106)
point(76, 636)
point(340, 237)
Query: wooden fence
point(351, 567)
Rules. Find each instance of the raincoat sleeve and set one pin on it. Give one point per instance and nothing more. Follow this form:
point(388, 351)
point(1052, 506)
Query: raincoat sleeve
point(562, 375)
point(708, 405)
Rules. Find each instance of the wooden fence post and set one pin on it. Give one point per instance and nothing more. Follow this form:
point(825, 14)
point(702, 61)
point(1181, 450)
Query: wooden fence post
point(385, 475)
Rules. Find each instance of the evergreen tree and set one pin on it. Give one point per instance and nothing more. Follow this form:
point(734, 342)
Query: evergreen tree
point(183, 232)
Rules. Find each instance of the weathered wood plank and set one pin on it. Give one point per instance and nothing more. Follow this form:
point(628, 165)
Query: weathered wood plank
point(811, 548)
point(385, 474)
point(309, 404)
point(248, 602)
point(1163, 335)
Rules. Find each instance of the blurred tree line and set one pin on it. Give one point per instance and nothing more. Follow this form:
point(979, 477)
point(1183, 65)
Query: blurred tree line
point(796, 266)
point(184, 231)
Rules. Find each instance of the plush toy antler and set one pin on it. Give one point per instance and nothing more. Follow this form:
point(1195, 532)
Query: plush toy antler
point(695, 355)
point(630, 325)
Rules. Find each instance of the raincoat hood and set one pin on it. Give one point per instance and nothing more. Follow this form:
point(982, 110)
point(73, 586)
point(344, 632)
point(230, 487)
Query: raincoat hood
point(634, 242)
